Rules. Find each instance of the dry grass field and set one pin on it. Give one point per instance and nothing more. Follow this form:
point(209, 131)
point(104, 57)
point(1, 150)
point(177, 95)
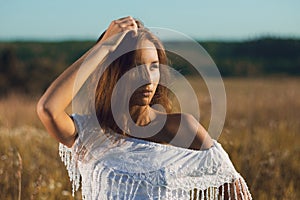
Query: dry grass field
point(261, 135)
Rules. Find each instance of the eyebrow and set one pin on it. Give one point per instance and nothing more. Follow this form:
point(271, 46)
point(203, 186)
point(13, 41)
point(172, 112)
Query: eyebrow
point(154, 62)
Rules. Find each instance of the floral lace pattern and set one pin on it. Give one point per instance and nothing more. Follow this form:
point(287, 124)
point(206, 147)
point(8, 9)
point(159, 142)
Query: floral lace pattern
point(116, 167)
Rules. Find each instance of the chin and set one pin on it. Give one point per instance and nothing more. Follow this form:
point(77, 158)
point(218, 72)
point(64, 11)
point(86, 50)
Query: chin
point(144, 101)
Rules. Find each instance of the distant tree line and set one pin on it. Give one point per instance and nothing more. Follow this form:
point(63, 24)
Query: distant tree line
point(259, 57)
point(30, 67)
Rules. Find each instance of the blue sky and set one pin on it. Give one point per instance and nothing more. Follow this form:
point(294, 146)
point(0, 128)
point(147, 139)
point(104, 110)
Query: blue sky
point(204, 20)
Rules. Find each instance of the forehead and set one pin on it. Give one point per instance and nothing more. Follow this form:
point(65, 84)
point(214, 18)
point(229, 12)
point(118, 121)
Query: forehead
point(146, 52)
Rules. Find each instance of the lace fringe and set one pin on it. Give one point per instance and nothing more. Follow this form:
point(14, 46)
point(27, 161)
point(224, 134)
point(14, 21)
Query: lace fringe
point(121, 186)
point(70, 162)
point(124, 187)
point(208, 194)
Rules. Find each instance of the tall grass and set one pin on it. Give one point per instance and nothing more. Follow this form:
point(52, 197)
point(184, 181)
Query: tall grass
point(29, 164)
point(261, 136)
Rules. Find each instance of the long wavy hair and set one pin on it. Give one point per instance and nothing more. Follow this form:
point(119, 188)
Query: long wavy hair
point(119, 65)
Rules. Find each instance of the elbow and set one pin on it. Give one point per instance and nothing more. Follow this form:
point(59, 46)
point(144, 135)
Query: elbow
point(51, 120)
point(44, 111)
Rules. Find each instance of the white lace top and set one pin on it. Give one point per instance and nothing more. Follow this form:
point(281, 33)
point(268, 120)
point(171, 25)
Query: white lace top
point(119, 167)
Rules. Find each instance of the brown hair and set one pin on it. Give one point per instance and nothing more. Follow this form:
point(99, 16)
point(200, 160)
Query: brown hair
point(119, 66)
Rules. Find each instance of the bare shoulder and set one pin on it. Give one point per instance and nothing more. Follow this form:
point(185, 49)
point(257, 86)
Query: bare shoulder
point(186, 120)
point(187, 130)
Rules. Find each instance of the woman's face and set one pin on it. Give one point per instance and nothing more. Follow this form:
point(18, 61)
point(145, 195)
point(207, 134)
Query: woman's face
point(148, 70)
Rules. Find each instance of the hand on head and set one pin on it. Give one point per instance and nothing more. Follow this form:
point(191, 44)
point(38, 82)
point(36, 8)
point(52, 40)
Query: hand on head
point(117, 30)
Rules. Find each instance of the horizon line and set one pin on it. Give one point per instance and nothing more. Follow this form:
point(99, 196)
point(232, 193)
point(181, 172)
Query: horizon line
point(89, 39)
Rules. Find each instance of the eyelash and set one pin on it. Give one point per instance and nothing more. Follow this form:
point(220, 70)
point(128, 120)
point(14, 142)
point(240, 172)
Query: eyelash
point(154, 66)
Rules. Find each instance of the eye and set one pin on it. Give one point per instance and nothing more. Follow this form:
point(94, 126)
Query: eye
point(154, 66)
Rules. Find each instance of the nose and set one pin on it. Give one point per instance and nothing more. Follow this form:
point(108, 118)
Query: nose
point(145, 74)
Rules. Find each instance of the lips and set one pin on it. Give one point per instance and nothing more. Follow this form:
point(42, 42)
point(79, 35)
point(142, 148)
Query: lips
point(145, 92)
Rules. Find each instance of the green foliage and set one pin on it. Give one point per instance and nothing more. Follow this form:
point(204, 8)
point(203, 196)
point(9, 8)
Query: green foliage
point(259, 57)
point(30, 67)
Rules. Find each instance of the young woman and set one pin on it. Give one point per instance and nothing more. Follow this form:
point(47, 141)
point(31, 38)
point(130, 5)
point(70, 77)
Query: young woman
point(133, 151)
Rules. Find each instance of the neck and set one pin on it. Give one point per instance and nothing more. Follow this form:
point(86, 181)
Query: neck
point(140, 114)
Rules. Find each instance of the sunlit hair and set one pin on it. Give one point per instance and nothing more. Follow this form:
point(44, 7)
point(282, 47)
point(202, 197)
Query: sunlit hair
point(119, 66)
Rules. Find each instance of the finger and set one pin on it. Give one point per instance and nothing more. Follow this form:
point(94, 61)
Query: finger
point(135, 28)
point(127, 29)
point(127, 22)
point(124, 19)
point(117, 27)
point(129, 25)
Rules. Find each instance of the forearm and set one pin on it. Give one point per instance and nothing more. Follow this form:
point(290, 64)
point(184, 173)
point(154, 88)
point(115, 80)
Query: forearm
point(51, 107)
point(61, 92)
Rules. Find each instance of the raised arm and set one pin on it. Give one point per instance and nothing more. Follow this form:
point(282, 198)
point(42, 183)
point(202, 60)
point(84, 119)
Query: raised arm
point(51, 106)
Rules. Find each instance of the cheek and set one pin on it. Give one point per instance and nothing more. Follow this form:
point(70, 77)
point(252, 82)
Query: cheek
point(155, 76)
